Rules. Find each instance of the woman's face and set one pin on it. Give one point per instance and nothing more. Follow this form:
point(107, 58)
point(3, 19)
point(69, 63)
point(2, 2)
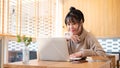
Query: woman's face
point(74, 27)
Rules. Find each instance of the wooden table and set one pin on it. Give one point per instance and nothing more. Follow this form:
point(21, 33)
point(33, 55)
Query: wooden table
point(53, 64)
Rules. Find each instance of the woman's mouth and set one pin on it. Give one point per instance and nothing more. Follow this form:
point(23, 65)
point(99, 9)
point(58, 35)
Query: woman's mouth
point(73, 30)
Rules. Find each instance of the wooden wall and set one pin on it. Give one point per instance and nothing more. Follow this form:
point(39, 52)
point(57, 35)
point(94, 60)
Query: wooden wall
point(102, 17)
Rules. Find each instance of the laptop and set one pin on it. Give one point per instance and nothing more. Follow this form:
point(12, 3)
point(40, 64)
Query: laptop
point(53, 49)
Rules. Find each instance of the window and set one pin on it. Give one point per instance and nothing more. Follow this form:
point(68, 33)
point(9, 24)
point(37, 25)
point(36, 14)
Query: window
point(35, 18)
point(32, 18)
point(1, 7)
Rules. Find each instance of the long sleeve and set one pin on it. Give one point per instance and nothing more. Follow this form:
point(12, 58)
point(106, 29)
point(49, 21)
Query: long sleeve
point(88, 46)
point(93, 47)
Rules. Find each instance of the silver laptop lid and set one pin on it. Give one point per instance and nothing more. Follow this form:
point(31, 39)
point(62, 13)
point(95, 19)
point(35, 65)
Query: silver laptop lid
point(54, 49)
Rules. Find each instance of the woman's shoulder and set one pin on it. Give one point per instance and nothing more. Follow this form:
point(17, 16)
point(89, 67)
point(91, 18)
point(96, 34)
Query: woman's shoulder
point(90, 36)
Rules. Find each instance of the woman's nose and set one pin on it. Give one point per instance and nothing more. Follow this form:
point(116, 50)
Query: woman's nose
point(71, 26)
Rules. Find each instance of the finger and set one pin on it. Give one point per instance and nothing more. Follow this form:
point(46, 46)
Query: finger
point(73, 38)
point(78, 54)
point(77, 37)
point(72, 56)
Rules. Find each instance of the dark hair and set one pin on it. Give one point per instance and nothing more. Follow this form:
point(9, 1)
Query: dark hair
point(74, 15)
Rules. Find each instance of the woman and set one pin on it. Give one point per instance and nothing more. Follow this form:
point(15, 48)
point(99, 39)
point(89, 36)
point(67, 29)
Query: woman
point(81, 43)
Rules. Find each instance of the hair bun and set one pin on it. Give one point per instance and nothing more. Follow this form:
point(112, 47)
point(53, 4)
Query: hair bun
point(72, 8)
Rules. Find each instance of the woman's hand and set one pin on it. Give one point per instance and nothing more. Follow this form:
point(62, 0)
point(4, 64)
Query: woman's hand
point(75, 38)
point(76, 55)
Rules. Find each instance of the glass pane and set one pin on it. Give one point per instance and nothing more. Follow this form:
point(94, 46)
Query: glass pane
point(13, 17)
point(28, 18)
point(15, 51)
point(46, 18)
point(0, 16)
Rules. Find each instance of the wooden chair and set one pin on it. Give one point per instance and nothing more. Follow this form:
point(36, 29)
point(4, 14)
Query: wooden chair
point(112, 58)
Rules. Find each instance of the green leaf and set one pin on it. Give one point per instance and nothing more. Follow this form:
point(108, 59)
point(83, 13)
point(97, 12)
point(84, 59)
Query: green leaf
point(26, 40)
point(18, 38)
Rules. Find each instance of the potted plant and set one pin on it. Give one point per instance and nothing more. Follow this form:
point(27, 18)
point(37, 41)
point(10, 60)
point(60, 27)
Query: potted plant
point(24, 39)
point(25, 51)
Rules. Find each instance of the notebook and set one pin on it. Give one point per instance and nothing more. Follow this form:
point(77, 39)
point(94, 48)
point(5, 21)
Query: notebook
point(53, 49)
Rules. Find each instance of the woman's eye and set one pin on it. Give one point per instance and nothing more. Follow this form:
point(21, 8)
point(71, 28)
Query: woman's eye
point(73, 23)
point(68, 24)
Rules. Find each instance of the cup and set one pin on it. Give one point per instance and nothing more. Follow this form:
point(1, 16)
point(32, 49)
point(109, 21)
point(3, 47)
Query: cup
point(68, 35)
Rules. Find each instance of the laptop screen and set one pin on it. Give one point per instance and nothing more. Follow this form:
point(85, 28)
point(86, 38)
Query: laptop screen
point(54, 49)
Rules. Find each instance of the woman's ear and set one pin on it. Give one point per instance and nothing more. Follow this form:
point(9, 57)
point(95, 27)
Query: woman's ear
point(81, 21)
